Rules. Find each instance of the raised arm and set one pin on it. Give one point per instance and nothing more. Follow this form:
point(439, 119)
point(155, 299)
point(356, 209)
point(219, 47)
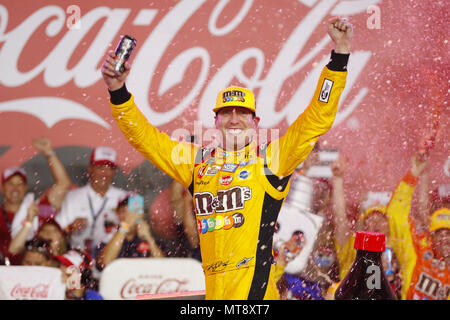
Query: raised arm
point(342, 227)
point(17, 244)
point(423, 204)
point(181, 201)
point(62, 181)
point(285, 154)
point(173, 157)
point(420, 169)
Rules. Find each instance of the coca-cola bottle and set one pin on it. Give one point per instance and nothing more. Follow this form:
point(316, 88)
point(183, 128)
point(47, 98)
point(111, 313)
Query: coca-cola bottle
point(366, 279)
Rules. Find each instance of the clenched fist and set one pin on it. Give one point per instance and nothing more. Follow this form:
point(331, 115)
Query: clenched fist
point(341, 32)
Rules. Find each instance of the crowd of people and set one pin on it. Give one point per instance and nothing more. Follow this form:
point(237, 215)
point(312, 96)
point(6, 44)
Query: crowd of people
point(90, 226)
point(83, 226)
point(417, 252)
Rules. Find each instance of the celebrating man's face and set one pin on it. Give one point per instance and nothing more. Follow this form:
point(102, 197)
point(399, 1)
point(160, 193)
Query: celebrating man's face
point(237, 125)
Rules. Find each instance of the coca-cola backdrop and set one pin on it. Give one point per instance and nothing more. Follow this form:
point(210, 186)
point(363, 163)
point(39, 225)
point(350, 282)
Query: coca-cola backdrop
point(51, 85)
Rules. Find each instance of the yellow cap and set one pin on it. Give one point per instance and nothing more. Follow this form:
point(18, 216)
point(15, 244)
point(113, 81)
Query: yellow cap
point(440, 219)
point(370, 210)
point(235, 97)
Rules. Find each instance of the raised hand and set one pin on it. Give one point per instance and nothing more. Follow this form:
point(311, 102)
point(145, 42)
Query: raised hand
point(43, 145)
point(418, 164)
point(341, 32)
point(112, 80)
point(338, 167)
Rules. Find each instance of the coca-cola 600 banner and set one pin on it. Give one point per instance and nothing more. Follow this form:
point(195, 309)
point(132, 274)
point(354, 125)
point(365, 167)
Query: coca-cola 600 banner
point(50, 81)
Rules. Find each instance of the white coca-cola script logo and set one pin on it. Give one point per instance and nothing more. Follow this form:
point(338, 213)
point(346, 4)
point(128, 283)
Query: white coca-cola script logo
point(144, 285)
point(267, 79)
point(38, 291)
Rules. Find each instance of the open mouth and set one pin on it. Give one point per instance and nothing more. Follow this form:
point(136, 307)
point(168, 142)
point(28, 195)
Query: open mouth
point(234, 131)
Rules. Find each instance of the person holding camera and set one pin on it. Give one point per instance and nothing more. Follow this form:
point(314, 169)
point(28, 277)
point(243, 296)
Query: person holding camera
point(133, 238)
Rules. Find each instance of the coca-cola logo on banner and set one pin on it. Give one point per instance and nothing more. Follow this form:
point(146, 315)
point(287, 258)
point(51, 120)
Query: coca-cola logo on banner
point(143, 278)
point(38, 291)
point(148, 285)
point(51, 85)
point(31, 283)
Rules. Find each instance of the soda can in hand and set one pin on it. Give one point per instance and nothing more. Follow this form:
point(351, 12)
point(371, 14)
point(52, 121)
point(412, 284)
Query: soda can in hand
point(123, 52)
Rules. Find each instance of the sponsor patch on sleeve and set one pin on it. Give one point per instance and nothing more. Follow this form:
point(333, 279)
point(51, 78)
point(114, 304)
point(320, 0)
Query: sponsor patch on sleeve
point(325, 92)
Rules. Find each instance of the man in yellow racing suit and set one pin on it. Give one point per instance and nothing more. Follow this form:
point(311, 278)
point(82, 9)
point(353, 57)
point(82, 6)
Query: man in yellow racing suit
point(237, 191)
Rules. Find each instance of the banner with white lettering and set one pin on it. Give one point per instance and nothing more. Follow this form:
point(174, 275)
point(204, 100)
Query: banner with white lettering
point(31, 283)
point(51, 85)
point(129, 278)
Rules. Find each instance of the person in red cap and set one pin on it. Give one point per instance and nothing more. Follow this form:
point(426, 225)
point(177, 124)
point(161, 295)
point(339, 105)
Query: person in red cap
point(76, 267)
point(83, 211)
point(30, 212)
point(239, 185)
point(14, 188)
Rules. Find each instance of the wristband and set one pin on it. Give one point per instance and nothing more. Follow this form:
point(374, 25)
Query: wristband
point(50, 154)
point(119, 96)
point(338, 61)
point(410, 179)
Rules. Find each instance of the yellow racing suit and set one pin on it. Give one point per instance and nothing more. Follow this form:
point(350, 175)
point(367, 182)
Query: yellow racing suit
point(237, 195)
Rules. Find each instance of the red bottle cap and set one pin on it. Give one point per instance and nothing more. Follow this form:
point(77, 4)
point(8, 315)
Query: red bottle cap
point(370, 241)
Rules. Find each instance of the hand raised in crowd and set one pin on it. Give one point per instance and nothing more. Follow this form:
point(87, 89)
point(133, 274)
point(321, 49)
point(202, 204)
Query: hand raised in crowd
point(418, 164)
point(341, 32)
point(338, 167)
point(114, 81)
point(43, 145)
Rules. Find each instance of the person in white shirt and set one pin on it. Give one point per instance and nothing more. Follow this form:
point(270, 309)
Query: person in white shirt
point(30, 212)
point(84, 210)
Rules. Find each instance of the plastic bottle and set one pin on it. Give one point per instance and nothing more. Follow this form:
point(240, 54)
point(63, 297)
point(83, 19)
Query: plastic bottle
point(366, 279)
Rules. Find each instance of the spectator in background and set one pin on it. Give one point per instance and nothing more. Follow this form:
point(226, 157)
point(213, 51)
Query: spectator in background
point(16, 201)
point(76, 268)
point(14, 188)
point(377, 219)
point(184, 220)
point(48, 230)
point(173, 221)
point(83, 211)
point(321, 268)
point(423, 240)
point(31, 214)
point(132, 240)
point(37, 252)
point(51, 231)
